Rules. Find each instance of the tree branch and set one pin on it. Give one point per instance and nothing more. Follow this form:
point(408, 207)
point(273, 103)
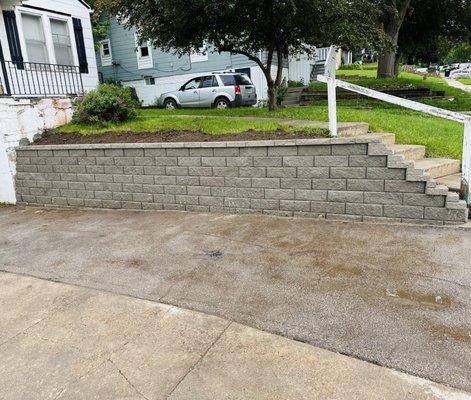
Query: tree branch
point(244, 53)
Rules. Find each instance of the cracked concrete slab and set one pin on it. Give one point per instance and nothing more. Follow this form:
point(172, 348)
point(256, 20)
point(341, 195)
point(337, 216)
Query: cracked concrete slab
point(107, 346)
point(394, 295)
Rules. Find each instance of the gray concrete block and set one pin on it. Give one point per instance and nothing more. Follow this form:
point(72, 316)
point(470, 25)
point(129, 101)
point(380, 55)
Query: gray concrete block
point(93, 186)
point(236, 182)
point(445, 214)
point(251, 193)
point(185, 199)
point(174, 207)
point(265, 204)
point(383, 198)
point(95, 169)
point(349, 149)
point(123, 178)
point(190, 181)
point(93, 203)
point(313, 195)
point(313, 172)
point(86, 194)
point(279, 194)
point(253, 151)
point(236, 202)
point(226, 151)
point(132, 188)
point(151, 170)
point(178, 171)
point(95, 152)
point(365, 185)
point(404, 187)
point(174, 189)
point(385, 173)
point(206, 152)
point(198, 190)
point(144, 161)
point(166, 161)
point(120, 196)
point(154, 189)
point(114, 187)
point(152, 206)
point(165, 180)
point(226, 171)
point(322, 207)
point(60, 168)
point(114, 204)
point(367, 161)
point(329, 184)
point(417, 199)
point(103, 178)
point(375, 210)
point(283, 151)
point(59, 201)
point(285, 172)
point(213, 161)
point(295, 205)
point(196, 208)
point(155, 153)
point(270, 183)
point(133, 170)
point(114, 152)
point(321, 150)
point(144, 179)
point(77, 152)
point(198, 171)
point(331, 161)
point(131, 205)
point(211, 201)
point(85, 177)
point(104, 160)
point(124, 161)
point(252, 172)
point(239, 161)
point(294, 183)
point(213, 181)
point(345, 197)
point(298, 161)
point(224, 191)
point(164, 198)
point(133, 152)
point(103, 195)
point(396, 211)
point(348, 172)
point(177, 152)
point(189, 161)
point(268, 161)
point(76, 169)
point(77, 185)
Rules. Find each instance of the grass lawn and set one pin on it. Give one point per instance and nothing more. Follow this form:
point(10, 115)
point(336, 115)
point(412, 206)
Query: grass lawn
point(442, 138)
point(466, 81)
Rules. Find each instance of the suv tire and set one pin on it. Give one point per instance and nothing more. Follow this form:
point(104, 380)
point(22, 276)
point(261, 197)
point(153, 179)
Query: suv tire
point(222, 103)
point(170, 104)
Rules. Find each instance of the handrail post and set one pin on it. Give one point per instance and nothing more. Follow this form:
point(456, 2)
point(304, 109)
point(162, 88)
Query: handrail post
point(466, 166)
point(332, 101)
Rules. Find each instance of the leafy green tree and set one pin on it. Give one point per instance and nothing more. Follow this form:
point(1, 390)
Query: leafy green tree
point(417, 28)
point(100, 23)
point(265, 31)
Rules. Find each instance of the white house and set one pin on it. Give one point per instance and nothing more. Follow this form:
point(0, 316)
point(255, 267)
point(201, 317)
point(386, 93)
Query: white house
point(47, 56)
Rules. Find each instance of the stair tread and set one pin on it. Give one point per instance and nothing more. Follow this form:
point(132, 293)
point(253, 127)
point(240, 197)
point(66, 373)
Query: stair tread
point(438, 167)
point(409, 151)
point(400, 147)
point(453, 181)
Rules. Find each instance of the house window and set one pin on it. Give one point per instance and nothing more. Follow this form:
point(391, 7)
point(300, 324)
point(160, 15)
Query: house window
point(61, 42)
point(150, 80)
point(105, 52)
point(35, 41)
point(144, 54)
point(199, 55)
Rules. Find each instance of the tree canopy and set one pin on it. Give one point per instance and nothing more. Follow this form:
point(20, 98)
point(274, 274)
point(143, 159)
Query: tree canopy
point(266, 31)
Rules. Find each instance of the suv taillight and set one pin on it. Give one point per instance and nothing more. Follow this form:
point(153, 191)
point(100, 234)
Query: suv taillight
point(237, 89)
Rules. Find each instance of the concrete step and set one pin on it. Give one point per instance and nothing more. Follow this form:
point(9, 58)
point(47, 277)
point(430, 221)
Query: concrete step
point(409, 151)
point(453, 181)
point(438, 167)
point(352, 128)
point(288, 102)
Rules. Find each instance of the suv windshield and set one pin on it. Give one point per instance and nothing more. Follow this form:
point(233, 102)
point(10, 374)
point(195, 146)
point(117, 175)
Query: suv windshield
point(242, 80)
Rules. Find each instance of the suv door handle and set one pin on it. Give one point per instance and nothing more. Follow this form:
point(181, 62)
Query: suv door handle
point(195, 91)
point(214, 90)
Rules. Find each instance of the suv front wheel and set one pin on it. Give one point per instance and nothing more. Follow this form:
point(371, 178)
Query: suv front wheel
point(170, 104)
point(222, 103)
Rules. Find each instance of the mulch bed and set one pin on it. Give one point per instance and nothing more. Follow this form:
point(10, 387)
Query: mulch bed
point(167, 136)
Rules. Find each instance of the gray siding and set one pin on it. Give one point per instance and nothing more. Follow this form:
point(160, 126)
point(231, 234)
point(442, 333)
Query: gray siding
point(165, 63)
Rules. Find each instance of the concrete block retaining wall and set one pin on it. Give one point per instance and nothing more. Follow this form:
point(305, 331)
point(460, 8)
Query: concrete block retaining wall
point(329, 178)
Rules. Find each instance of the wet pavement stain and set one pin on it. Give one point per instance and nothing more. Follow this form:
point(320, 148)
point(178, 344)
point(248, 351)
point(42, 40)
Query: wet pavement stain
point(411, 297)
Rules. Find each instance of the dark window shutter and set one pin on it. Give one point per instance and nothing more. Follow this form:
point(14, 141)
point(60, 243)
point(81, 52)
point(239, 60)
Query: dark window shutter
point(80, 43)
point(13, 38)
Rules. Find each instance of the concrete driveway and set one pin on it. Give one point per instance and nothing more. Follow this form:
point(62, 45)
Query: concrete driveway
point(397, 296)
point(66, 342)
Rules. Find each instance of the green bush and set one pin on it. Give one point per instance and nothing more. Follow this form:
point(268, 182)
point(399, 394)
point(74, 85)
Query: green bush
point(295, 83)
point(108, 103)
point(350, 67)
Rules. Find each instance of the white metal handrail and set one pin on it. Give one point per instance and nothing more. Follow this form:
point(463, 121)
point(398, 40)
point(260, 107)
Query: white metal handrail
point(333, 83)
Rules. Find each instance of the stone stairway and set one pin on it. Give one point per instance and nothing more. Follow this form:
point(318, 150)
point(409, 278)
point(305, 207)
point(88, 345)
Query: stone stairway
point(441, 175)
point(292, 96)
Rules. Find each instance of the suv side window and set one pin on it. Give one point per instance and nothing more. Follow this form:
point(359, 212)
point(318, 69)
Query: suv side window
point(209, 81)
point(228, 80)
point(193, 84)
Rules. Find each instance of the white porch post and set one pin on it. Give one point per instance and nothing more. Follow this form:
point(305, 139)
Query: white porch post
point(332, 100)
point(466, 166)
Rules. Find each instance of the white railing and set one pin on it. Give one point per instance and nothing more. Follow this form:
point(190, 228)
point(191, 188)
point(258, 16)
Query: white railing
point(333, 83)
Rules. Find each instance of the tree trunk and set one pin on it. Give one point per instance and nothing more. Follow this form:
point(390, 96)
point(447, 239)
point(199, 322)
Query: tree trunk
point(388, 65)
point(272, 96)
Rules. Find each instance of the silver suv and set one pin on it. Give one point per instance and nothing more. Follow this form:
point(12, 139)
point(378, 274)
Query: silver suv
point(216, 90)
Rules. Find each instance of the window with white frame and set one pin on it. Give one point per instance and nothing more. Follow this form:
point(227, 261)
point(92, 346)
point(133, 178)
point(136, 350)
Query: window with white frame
point(35, 41)
point(105, 52)
point(199, 55)
point(144, 54)
point(61, 42)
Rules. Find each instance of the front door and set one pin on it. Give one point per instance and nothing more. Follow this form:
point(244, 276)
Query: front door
point(189, 95)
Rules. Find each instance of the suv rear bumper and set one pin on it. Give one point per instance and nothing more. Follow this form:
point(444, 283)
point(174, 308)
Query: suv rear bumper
point(241, 102)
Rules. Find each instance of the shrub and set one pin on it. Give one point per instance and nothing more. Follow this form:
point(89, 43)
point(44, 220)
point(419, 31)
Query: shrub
point(108, 103)
point(354, 67)
point(295, 83)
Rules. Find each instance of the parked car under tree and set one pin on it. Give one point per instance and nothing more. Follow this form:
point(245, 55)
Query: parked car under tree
point(220, 90)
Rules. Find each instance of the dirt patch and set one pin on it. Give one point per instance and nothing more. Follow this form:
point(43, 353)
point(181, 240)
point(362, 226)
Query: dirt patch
point(171, 136)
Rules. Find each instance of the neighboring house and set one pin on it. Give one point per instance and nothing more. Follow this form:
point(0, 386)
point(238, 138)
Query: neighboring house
point(152, 71)
point(47, 57)
point(46, 48)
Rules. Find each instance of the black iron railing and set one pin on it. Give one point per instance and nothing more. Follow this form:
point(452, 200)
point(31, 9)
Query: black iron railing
point(24, 79)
